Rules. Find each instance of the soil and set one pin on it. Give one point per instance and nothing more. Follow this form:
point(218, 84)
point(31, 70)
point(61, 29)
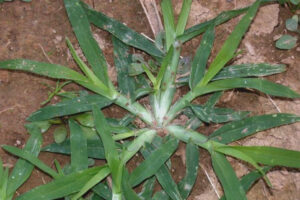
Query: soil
point(36, 30)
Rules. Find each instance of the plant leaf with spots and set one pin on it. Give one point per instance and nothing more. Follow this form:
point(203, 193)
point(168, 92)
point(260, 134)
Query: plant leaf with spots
point(88, 44)
point(201, 57)
point(231, 44)
point(43, 69)
point(185, 186)
point(232, 187)
point(69, 107)
point(239, 129)
point(249, 179)
point(122, 60)
point(152, 163)
point(32, 159)
point(78, 147)
point(122, 32)
point(248, 70)
point(218, 115)
point(163, 175)
point(22, 169)
point(270, 156)
point(62, 186)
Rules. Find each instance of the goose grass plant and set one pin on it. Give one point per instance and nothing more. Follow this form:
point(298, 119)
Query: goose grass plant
point(94, 136)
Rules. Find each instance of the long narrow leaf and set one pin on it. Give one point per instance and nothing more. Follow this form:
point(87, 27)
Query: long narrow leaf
point(264, 86)
point(201, 57)
point(164, 176)
point(148, 167)
point(62, 186)
point(249, 179)
point(78, 142)
point(148, 188)
point(184, 14)
point(122, 60)
point(239, 129)
point(217, 115)
point(70, 107)
point(167, 10)
point(270, 155)
point(92, 182)
point(185, 186)
point(23, 168)
point(122, 32)
point(102, 190)
point(232, 187)
point(111, 154)
point(88, 44)
point(220, 19)
point(231, 44)
point(247, 70)
point(32, 159)
point(44, 69)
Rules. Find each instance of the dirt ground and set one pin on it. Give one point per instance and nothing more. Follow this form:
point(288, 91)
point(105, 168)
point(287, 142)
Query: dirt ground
point(37, 30)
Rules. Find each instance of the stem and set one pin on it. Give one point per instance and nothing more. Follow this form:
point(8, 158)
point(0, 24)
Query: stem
point(128, 134)
point(135, 108)
point(164, 96)
point(178, 106)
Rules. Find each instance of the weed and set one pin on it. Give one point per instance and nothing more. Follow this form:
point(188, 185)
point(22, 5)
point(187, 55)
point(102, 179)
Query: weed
point(92, 135)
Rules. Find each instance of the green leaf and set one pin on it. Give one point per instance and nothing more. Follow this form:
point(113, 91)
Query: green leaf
point(163, 175)
point(262, 85)
point(111, 154)
point(44, 69)
point(295, 2)
point(69, 107)
point(231, 44)
point(292, 23)
point(247, 70)
point(92, 182)
point(232, 187)
point(148, 188)
point(163, 68)
point(23, 168)
point(3, 183)
point(185, 186)
point(128, 192)
point(134, 146)
point(122, 60)
point(184, 14)
point(271, 156)
point(60, 134)
point(168, 16)
point(95, 148)
point(220, 19)
point(103, 191)
point(201, 57)
point(88, 44)
point(239, 129)
point(62, 186)
point(217, 115)
point(149, 166)
point(30, 158)
point(78, 145)
point(85, 119)
point(122, 32)
point(249, 179)
point(286, 42)
point(160, 195)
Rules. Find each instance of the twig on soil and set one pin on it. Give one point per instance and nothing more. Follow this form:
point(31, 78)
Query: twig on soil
point(10, 108)
point(274, 103)
point(45, 54)
point(211, 182)
point(151, 11)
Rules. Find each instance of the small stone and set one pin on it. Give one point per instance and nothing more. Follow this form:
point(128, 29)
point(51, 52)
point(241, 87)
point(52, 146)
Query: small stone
point(276, 37)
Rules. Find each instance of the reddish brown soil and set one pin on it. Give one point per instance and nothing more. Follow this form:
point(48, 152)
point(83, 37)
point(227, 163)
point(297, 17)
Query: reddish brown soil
point(31, 30)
